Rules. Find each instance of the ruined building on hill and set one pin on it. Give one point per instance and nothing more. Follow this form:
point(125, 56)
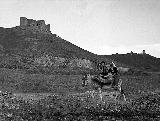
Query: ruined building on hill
point(35, 26)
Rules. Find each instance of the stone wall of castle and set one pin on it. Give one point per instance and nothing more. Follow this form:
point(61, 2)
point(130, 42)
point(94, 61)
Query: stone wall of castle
point(34, 25)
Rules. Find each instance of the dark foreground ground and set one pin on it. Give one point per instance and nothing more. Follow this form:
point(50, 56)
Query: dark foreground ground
point(79, 108)
point(61, 98)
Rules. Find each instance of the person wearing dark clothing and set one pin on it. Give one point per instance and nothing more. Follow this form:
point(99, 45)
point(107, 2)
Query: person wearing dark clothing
point(114, 71)
point(104, 70)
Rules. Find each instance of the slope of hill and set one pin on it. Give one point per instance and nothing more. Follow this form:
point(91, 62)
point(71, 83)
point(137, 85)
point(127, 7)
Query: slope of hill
point(17, 43)
point(144, 62)
point(16, 39)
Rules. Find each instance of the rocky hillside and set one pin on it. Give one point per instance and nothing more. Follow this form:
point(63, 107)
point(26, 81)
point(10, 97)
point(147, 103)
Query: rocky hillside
point(40, 52)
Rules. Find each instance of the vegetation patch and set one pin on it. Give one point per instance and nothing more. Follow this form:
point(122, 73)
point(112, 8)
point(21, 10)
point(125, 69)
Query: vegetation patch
point(74, 107)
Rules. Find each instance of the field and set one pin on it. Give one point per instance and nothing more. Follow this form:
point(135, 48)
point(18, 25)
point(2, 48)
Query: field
point(79, 108)
point(40, 97)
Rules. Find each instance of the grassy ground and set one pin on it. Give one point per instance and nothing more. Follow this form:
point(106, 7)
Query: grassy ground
point(134, 86)
point(20, 82)
point(80, 108)
point(36, 100)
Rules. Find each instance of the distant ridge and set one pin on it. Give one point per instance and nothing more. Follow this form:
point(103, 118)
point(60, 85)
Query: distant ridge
point(145, 62)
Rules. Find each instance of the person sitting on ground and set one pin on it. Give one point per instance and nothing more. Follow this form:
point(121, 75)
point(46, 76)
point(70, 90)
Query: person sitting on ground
point(104, 70)
point(114, 71)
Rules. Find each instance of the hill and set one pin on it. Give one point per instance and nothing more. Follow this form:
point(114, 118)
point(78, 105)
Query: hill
point(143, 62)
point(32, 47)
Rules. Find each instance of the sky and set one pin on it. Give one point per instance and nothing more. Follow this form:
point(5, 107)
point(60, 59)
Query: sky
point(102, 27)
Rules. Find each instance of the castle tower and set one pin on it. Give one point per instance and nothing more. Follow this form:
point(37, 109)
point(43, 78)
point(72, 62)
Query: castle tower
point(35, 26)
point(143, 52)
point(23, 21)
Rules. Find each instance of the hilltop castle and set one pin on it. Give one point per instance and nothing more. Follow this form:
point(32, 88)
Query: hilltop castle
point(35, 26)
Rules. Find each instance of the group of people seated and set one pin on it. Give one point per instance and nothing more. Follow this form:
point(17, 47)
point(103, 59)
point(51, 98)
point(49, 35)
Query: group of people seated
point(103, 79)
point(109, 70)
point(108, 76)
